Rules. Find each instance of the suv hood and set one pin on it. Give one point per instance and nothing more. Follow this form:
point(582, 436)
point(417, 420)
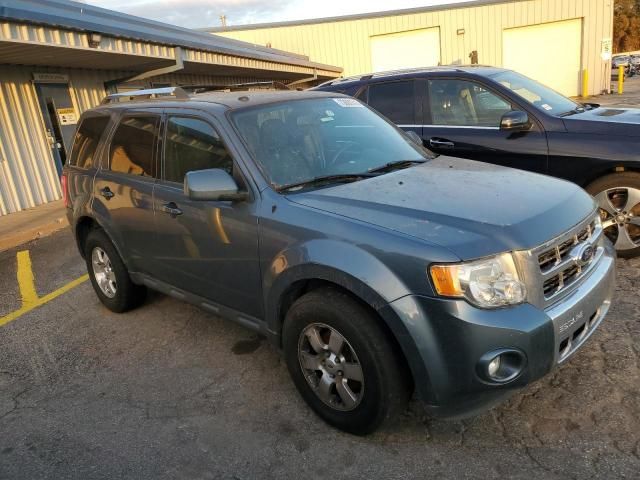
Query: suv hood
point(606, 121)
point(473, 209)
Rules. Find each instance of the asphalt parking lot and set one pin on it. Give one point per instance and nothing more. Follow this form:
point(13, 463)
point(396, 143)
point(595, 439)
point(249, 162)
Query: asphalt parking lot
point(169, 391)
point(630, 97)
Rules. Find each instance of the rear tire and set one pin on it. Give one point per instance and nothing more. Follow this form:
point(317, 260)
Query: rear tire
point(109, 276)
point(618, 196)
point(343, 363)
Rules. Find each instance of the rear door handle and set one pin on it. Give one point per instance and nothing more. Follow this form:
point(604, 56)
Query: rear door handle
point(172, 209)
point(441, 143)
point(107, 193)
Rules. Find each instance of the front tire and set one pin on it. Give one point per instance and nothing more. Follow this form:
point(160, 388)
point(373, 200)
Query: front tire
point(618, 196)
point(342, 362)
point(109, 276)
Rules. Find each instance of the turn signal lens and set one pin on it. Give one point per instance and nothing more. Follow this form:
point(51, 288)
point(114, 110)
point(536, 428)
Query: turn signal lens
point(445, 279)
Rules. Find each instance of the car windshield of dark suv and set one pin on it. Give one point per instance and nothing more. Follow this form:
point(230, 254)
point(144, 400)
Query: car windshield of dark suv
point(317, 142)
point(538, 95)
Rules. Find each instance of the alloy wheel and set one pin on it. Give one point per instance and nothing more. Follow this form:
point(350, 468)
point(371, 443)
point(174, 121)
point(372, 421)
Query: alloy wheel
point(620, 214)
point(331, 367)
point(103, 272)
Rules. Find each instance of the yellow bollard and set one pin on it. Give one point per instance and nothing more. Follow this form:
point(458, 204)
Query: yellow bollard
point(620, 80)
point(585, 83)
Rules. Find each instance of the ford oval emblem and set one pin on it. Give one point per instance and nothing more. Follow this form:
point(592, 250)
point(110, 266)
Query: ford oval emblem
point(585, 254)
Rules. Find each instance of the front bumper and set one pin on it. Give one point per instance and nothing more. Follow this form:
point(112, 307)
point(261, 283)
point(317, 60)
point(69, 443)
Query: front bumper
point(450, 336)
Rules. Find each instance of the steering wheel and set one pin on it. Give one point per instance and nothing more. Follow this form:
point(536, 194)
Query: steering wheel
point(345, 148)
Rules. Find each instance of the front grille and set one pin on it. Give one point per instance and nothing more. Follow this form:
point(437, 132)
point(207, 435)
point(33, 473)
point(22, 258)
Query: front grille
point(556, 261)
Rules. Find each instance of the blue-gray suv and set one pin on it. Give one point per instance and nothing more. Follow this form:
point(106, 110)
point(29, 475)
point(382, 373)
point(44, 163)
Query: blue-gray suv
point(377, 268)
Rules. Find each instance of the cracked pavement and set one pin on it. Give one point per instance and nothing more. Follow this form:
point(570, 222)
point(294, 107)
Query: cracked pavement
point(170, 391)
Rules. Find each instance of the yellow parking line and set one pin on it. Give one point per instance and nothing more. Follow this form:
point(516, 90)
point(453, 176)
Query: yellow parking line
point(28, 294)
point(25, 279)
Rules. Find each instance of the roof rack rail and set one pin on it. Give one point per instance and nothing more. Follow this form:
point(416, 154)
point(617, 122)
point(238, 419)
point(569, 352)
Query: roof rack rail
point(176, 92)
point(236, 87)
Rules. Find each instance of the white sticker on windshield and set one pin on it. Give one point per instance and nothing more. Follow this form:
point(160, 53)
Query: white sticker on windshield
point(348, 102)
point(547, 107)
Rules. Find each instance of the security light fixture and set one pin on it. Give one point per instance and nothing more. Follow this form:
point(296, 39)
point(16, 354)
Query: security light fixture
point(94, 40)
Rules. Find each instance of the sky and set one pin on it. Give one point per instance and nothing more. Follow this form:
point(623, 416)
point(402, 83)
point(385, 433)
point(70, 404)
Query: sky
point(206, 13)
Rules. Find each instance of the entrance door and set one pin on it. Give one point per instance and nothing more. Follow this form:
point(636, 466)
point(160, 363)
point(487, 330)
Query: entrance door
point(60, 119)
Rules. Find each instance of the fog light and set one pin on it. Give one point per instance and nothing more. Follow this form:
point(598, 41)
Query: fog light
point(501, 366)
point(493, 367)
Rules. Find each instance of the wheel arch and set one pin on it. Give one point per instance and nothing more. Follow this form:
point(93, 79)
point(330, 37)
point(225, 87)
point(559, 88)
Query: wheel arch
point(307, 278)
point(83, 227)
point(615, 167)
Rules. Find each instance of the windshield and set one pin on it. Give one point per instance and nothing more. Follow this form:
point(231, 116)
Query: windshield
point(541, 97)
point(302, 140)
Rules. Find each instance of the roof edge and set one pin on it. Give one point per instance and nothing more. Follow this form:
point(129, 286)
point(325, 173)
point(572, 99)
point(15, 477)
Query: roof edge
point(76, 16)
point(358, 16)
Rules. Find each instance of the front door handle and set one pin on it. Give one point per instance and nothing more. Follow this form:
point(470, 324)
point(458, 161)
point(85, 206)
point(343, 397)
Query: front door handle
point(107, 193)
point(172, 209)
point(441, 143)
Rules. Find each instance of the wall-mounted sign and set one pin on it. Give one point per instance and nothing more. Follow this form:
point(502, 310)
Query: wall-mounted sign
point(67, 116)
point(51, 77)
point(606, 49)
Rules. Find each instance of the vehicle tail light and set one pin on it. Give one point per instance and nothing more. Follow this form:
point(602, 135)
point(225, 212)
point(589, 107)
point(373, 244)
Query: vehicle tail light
point(65, 190)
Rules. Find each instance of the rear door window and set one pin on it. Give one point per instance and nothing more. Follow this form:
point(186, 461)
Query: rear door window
point(394, 100)
point(133, 146)
point(192, 144)
point(85, 145)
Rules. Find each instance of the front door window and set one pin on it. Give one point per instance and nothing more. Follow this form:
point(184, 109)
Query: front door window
point(465, 103)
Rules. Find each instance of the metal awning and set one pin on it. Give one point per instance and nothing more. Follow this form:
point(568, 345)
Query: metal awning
point(57, 32)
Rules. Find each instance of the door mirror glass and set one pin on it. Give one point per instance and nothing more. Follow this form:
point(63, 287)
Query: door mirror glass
point(212, 184)
point(414, 137)
point(515, 120)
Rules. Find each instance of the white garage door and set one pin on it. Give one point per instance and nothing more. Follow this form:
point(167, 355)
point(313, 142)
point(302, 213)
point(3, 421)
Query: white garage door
point(415, 48)
point(549, 53)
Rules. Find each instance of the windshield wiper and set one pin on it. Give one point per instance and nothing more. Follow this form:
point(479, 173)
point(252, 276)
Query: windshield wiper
point(344, 177)
point(572, 112)
point(389, 167)
point(349, 177)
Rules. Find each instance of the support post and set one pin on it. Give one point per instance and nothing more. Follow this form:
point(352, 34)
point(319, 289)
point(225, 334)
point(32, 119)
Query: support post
point(585, 83)
point(620, 80)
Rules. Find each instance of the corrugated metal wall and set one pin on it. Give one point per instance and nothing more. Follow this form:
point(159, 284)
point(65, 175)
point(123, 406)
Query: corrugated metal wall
point(27, 172)
point(346, 43)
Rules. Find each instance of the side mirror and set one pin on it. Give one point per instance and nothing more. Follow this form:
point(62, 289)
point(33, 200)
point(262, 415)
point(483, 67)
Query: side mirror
point(414, 137)
point(212, 184)
point(515, 121)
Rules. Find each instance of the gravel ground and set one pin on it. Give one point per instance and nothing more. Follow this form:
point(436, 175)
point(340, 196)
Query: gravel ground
point(169, 391)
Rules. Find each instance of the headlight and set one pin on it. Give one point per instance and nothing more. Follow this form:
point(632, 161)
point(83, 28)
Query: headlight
point(487, 283)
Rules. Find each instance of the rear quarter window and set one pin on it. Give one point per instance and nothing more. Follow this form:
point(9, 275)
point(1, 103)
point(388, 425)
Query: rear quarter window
point(394, 100)
point(85, 144)
point(133, 145)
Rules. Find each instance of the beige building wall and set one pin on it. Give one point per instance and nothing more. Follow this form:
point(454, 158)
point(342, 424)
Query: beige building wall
point(346, 42)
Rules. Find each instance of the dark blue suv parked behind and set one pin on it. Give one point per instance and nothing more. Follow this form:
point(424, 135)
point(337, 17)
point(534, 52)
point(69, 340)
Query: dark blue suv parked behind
point(375, 268)
point(501, 117)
